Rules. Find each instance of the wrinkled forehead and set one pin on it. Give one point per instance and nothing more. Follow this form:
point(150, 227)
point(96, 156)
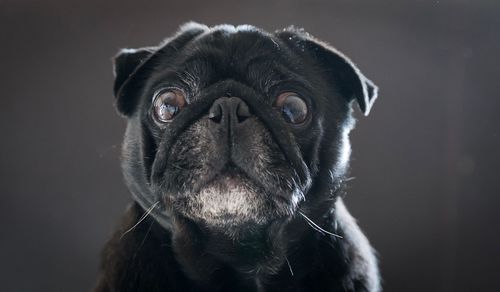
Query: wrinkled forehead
point(231, 49)
point(241, 42)
point(241, 53)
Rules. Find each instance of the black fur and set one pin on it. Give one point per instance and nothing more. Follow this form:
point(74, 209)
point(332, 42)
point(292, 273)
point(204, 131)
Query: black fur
point(297, 236)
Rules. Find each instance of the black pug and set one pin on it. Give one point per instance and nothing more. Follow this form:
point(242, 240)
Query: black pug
point(236, 152)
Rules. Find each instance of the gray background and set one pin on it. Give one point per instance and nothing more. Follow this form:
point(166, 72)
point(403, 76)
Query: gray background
point(425, 161)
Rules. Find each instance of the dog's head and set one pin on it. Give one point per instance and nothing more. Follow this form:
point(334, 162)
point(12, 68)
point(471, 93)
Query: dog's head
point(233, 126)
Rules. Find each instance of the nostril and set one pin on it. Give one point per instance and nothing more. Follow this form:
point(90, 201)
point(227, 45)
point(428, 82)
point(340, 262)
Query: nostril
point(231, 109)
point(242, 111)
point(215, 113)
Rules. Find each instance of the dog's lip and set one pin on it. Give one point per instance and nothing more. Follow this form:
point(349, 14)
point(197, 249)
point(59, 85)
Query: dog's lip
point(231, 176)
point(230, 180)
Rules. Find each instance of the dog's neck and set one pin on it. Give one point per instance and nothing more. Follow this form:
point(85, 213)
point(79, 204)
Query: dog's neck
point(287, 253)
point(254, 259)
point(251, 255)
point(250, 252)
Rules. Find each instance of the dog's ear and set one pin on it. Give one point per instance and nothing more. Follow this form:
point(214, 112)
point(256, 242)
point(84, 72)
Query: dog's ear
point(125, 63)
point(133, 66)
point(353, 84)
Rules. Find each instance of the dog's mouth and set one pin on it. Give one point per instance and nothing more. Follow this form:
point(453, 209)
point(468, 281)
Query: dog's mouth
point(230, 198)
point(230, 177)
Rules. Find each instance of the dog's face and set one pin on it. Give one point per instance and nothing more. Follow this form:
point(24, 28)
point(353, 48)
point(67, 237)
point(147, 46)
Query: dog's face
point(233, 127)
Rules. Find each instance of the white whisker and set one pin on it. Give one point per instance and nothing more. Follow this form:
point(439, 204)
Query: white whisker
point(148, 211)
point(289, 266)
point(313, 227)
point(317, 227)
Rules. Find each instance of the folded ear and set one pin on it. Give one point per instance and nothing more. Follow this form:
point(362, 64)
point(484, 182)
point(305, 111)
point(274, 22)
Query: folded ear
point(125, 63)
point(132, 66)
point(352, 82)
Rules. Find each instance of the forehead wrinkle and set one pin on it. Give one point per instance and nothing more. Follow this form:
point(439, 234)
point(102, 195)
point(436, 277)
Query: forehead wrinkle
point(196, 68)
point(248, 64)
point(192, 81)
point(204, 56)
point(258, 74)
point(234, 48)
point(276, 74)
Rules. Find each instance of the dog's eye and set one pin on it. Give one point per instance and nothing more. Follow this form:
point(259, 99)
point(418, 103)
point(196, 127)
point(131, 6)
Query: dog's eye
point(167, 104)
point(292, 107)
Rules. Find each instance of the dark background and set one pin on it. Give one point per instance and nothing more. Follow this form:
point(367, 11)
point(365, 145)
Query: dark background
point(425, 160)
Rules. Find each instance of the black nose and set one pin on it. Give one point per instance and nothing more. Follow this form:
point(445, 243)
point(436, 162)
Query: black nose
point(229, 108)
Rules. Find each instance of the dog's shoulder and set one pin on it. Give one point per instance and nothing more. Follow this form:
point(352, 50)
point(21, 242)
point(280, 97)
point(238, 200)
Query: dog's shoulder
point(131, 258)
point(363, 268)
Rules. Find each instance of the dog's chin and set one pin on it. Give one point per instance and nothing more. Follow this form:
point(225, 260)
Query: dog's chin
point(231, 200)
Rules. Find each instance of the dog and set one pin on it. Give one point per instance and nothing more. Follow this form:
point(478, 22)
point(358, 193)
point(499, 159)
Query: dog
point(236, 154)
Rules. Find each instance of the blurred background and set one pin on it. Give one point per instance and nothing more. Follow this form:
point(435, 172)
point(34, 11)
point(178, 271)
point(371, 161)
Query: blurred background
point(425, 161)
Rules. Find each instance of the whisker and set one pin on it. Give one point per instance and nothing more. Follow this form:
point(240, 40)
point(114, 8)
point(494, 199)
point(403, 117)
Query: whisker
point(318, 228)
point(148, 211)
point(289, 266)
point(142, 242)
point(313, 227)
point(145, 236)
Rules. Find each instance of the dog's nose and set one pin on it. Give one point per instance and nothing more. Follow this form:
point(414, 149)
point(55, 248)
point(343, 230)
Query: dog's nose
point(229, 108)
